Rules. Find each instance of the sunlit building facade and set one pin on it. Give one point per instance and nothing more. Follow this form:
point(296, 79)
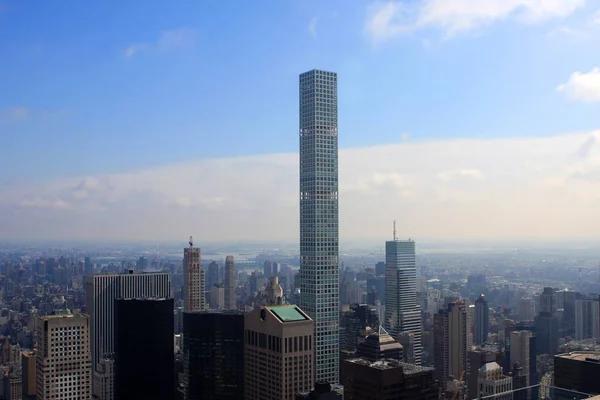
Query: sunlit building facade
point(319, 275)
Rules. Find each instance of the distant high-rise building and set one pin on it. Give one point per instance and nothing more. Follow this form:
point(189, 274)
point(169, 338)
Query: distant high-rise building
point(407, 341)
point(451, 341)
point(142, 264)
point(380, 268)
point(217, 296)
point(88, 267)
point(144, 349)
point(28, 367)
point(283, 335)
point(520, 351)
point(63, 367)
point(212, 276)
point(101, 293)
point(548, 301)
point(402, 312)
point(194, 280)
point(379, 345)
point(270, 268)
point(230, 284)
point(546, 324)
point(213, 355)
point(354, 323)
point(587, 318)
point(274, 292)
point(482, 320)
point(526, 309)
point(319, 235)
point(387, 380)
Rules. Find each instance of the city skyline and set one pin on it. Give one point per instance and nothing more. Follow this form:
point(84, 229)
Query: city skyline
point(452, 145)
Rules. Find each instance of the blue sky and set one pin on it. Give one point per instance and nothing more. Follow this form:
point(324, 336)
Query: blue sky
point(96, 88)
point(227, 83)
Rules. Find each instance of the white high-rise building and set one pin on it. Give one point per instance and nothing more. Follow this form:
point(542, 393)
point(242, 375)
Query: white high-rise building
point(319, 231)
point(100, 294)
point(402, 311)
point(63, 365)
point(194, 280)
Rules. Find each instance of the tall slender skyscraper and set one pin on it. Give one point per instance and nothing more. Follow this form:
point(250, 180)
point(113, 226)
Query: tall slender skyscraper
point(402, 312)
point(482, 320)
point(319, 236)
point(230, 284)
point(194, 280)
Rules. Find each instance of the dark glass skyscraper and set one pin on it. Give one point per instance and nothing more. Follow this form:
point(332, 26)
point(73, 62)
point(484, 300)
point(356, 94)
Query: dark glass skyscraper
point(144, 354)
point(213, 355)
point(319, 274)
point(482, 320)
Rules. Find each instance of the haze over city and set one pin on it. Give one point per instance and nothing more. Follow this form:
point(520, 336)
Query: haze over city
point(458, 122)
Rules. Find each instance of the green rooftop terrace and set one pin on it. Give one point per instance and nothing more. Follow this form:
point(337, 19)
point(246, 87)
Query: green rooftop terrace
point(288, 313)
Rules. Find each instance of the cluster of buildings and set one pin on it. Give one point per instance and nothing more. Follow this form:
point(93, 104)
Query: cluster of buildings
point(72, 330)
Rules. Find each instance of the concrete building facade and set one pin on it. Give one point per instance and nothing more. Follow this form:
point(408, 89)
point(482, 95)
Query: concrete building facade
point(63, 363)
point(278, 353)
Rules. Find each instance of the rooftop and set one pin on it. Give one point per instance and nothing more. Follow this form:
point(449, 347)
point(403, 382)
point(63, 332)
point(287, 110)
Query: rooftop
point(491, 366)
point(288, 313)
point(581, 356)
point(390, 364)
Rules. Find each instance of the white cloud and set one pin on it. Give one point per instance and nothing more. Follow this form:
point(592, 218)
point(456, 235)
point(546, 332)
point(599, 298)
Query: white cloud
point(167, 41)
point(394, 18)
point(512, 187)
point(582, 86)
point(312, 27)
point(458, 173)
point(41, 203)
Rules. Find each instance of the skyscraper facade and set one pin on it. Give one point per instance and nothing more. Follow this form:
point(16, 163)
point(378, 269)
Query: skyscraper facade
point(63, 365)
point(283, 335)
point(451, 341)
point(194, 280)
point(402, 312)
point(319, 236)
point(482, 320)
point(230, 284)
point(100, 295)
point(213, 355)
point(144, 349)
point(546, 324)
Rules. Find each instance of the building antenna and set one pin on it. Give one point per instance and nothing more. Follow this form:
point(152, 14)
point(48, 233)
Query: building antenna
point(394, 231)
point(191, 242)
